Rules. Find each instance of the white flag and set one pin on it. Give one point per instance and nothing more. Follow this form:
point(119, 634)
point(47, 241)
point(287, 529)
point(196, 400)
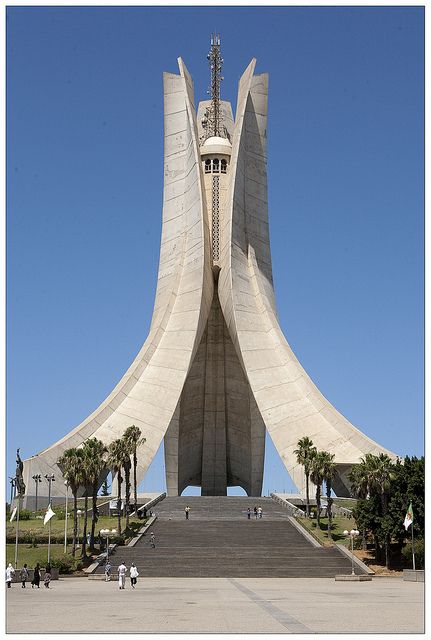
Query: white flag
point(48, 515)
point(13, 514)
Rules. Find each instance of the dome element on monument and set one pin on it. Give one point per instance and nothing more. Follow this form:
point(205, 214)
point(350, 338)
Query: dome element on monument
point(215, 144)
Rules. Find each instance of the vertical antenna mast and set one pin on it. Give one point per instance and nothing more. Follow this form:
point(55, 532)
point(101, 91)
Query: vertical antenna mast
point(216, 61)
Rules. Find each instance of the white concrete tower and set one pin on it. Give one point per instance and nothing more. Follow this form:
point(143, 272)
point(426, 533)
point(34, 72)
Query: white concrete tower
point(216, 370)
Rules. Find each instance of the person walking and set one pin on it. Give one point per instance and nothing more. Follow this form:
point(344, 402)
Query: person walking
point(248, 513)
point(36, 577)
point(187, 511)
point(259, 512)
point(9, 575)
point(152, 540)
point(255, 512)
point(133, 575)
point(122, 575)
point(23, 574)
point(47, 576)
point(108, 569)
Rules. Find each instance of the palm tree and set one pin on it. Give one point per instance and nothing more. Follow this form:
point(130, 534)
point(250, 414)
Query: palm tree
point(94, 451)
point(115, 461)
point(360, 486)
point(71, 464)
point(380, 473)
point(316, 477)
point(86, 480)
point(328, 469)
point(133, 434)
point(127, 465)
point(304, 455)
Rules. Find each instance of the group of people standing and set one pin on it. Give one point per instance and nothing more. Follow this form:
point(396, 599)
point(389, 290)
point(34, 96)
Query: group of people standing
point(258, 511)
point(24, 576)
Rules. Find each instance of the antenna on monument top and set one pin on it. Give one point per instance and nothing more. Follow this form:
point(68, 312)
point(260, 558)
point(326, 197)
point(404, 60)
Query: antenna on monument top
point(213, 119)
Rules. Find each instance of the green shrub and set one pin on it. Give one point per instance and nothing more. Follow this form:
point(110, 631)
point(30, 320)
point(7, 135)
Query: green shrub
point(60, 514)
point(419, 553)
point(64, 563)
point(25, 514)
point(67, 564)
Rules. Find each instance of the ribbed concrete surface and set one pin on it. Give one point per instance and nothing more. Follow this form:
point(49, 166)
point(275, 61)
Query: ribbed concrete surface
point(219, 541)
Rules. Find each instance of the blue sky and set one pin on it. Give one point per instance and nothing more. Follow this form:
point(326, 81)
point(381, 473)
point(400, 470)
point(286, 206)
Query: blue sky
point(84, 199)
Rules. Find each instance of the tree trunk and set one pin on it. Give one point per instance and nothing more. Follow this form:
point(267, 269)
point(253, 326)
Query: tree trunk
point(307, 495)
point(119, 480)
point(364, 539)
point(329, 508)
point(127, 479)
point(75, 521)
point(135, 488)
point(377, 553)
point(84, 532)
point(387, 552)
point(318, 489)
point(94, 516)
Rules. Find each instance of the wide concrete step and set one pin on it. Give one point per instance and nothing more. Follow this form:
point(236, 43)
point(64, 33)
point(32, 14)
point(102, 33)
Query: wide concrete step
point(218, 508)
point(220, 541)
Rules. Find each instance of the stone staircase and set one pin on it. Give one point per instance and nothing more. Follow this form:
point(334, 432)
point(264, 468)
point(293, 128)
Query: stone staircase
point(219, 541)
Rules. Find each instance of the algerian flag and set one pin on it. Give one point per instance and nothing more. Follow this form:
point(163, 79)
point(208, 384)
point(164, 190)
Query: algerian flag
point(409, 517)
point(13, 514)
point(48, 515)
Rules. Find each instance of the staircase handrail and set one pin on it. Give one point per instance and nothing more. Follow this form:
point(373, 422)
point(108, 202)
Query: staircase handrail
point(293, 511)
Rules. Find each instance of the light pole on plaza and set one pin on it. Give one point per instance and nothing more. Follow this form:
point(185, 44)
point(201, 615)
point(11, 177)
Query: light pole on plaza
point(66, 515)
point(78, 514)
point(352, 534)
point(37, 478)
point(105, 533)
point(50, 479)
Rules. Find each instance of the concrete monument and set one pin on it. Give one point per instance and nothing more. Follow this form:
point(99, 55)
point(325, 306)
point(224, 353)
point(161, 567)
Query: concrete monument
point(216, 371)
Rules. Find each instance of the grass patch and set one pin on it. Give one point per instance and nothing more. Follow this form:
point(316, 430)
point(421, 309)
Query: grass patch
point(36, 526)
point(339, 524)
point(32, 555)
point(348, 503)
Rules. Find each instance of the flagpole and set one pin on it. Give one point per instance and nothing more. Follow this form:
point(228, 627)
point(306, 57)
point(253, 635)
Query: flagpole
point(413, 550)
point(50, 479)
point(65, 523)
point(17, 532)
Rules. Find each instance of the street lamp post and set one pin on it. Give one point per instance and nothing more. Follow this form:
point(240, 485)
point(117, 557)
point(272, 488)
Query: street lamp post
point(50, 479)
point(37, 478)
point(353, 533)
point(105, 533)
point(78, 513)
point(65, 519)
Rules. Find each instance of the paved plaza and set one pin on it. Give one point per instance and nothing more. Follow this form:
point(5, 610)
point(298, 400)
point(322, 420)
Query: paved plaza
point(219, 605)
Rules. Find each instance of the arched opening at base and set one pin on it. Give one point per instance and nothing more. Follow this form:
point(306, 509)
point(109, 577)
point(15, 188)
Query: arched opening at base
point(191, 491)
point(236, 491)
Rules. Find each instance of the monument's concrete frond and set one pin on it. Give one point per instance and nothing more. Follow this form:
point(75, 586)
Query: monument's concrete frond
point(148, 393)
point(290, 404)
point(215, 369)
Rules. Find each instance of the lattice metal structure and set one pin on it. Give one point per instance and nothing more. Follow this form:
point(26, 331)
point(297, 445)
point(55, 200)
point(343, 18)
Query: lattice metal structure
point(212, 122)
